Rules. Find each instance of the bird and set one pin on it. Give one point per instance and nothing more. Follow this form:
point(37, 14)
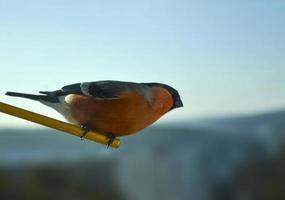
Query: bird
point(114, 108)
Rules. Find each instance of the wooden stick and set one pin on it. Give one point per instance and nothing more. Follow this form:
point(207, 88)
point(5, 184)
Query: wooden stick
point(56, 124)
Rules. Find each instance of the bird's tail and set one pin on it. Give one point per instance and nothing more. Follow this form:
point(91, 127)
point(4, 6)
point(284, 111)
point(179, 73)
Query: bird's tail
point(29, 96)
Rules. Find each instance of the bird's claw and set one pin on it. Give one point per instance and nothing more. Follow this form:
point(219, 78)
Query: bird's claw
point(85, 130)
point(111, 139)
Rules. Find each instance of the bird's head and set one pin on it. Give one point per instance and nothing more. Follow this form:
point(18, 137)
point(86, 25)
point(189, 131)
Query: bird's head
point(177, 102)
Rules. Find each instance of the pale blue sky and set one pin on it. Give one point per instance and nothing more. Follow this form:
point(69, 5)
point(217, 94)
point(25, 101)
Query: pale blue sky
point(223, 56)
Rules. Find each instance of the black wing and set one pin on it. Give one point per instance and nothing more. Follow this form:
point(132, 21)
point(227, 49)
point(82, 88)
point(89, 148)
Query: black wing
point(69, 89)
point(105, 89)
point(72, 89)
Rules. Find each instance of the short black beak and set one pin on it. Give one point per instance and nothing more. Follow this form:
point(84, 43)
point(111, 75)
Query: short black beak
point(178, 103)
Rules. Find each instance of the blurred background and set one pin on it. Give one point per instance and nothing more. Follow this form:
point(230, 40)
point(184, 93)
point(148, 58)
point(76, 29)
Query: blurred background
point(226, 58)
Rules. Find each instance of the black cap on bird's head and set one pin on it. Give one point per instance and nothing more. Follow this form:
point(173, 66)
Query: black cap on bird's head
point(177, 102)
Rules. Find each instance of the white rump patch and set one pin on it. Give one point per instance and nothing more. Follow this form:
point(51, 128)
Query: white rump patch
point(62, 107)
point(67, 99)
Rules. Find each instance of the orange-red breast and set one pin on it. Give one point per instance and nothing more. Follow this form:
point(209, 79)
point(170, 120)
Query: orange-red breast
point(115, 108)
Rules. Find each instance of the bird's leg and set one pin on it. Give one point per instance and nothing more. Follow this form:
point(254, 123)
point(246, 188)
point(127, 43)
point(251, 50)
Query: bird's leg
point(85, 130)
point(111, 139)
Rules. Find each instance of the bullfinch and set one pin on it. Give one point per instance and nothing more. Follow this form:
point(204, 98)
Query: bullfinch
point(115, 108)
